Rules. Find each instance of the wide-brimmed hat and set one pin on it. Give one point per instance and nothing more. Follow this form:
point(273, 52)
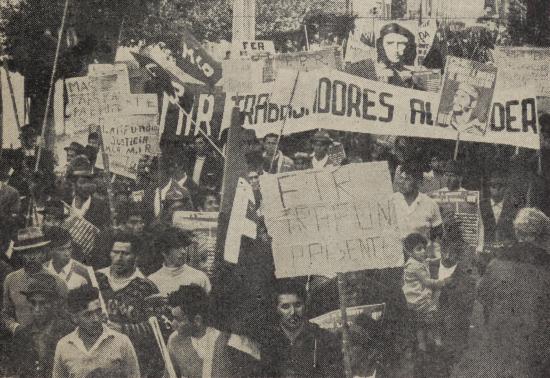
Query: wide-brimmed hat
point(42, 283)
point(30, 238)
point(322, 136)
point(28, 130)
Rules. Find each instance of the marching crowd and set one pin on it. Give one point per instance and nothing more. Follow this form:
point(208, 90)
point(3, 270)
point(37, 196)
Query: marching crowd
point(68, 311)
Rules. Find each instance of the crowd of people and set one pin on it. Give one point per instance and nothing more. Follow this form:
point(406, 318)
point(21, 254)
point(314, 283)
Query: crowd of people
point(83, 312)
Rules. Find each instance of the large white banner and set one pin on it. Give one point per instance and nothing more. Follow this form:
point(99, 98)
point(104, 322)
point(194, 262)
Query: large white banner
point(340, 101)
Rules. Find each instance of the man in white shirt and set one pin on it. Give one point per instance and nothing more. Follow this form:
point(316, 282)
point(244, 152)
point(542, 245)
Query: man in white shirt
point(415, 211)
point(61, 264)
point(93, 349)
point(173, 244)
point(321, 141)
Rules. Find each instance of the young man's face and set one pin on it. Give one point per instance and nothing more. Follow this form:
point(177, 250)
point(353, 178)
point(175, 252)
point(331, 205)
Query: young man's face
point(176, 257)
point(270, 145)
point(419, 253)
point(90, 320)
point(290, 309)
point(28, 141)
point(71, 154)
point(93, 142)
point(62, 254)
point(181, 322)
point(394, 47)
point(84, 187)
point(42, 307)
point(211, 203)
point(409, 183)
point(123, 262)
point(454, 180)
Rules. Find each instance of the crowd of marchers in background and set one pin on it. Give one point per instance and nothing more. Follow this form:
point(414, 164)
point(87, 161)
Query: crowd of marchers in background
point(70, 312)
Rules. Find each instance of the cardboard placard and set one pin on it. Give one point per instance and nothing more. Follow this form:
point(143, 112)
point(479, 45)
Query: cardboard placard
point(322, 222)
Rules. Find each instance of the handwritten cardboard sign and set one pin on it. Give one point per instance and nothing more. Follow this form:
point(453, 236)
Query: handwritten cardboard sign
point(332, 220)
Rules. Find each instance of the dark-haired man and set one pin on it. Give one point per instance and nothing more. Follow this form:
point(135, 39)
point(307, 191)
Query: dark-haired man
point(199, 350)
point(174, 245)
point(296, 346)
point(125, 290)
point(274, 159)
point(61, 264)
point(34, 345)
point(93, 347)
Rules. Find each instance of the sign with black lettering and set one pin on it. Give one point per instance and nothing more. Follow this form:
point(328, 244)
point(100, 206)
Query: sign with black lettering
point(247, 49)
point(350, 103)
point(322, 222)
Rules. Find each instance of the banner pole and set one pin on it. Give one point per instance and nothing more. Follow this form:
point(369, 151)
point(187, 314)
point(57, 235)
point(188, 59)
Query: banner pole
point(12, 95)
point(456, 147)
point(106, 174)
point(52, 83)
point(284, 121)
point(307, 39)
point(345, 334)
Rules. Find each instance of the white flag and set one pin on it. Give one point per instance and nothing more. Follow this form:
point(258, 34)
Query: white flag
point(239, 224)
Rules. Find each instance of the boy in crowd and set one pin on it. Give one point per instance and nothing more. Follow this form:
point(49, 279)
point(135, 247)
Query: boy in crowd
point(174, 245)
point(199, 350)
point(274, 159)
point(93, 347)
point(419, 290)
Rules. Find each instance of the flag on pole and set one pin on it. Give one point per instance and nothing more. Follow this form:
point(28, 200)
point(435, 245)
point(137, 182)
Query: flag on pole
point(241, 221)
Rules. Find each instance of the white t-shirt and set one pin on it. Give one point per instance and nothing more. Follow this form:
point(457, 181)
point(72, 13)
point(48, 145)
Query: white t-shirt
point(421, 216)
point(170, 279)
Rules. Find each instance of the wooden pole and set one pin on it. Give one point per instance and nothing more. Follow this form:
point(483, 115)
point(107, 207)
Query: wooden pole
point(456, 147)
point(345, 331)
point(52, 83)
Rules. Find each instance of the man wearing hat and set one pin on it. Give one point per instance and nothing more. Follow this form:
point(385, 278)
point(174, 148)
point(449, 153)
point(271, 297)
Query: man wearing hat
point(31, 247)
point(84, 203)
point(464, 104)
point(53, 214)
point(73, 150)
point(34, 345)
point(321, 141)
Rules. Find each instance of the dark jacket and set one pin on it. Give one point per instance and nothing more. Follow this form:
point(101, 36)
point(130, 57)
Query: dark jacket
point(515, 295)
point(99, 213)
point(315, 353)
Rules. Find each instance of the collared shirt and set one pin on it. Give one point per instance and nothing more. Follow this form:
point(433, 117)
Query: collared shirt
point(84, 209)
point(112, 354)
point(417, 295)
point(67, 274)
point(197, 171)
point(204, 347)
point(421, 216)
point(497, 209)
point(319, 163)
point(120, 283)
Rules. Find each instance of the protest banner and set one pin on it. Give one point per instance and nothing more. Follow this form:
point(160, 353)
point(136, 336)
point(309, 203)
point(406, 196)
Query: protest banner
point(127, 138)
point(336, 153)
point(244, 75)
point(89, 98)
point(246, 49)
point(204, 226)
point(322, 222)
point(332, 321)
point(197, 62)
point(467, 95)
point(523, 66)
point(349, 103)
point(83, 233)
point(462, 207)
